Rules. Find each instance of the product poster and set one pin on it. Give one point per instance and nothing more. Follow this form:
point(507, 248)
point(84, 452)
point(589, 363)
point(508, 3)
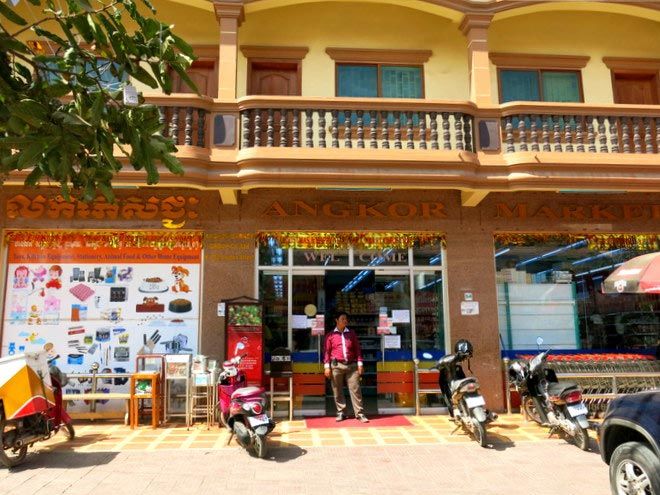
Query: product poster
point(245, 337)
point(101, 297)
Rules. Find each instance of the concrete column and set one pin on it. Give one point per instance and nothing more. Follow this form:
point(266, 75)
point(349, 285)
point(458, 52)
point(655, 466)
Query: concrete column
point(230, 15)
point(475, 29)
point(471, 269)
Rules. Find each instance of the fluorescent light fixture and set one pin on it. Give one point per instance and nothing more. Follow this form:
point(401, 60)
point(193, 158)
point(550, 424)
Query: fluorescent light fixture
point(550, 253)
point(435, 260)
point(596, 270)
point(608, 253)
point(500, 253)
point(435, 281)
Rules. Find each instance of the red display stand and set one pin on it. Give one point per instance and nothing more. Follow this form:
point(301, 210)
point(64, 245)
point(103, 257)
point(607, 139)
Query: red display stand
point(244, 335)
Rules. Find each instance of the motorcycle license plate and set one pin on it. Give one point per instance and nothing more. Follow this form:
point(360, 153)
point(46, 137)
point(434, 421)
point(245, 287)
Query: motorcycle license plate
point(577, 410)
point(261, 419)
point(475, 401)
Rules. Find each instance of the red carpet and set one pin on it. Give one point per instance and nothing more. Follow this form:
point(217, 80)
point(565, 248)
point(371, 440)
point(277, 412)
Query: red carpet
point(374, 421)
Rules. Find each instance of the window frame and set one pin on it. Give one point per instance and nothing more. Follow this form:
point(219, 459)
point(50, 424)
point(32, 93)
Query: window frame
point(539, 72)
point(379, 67)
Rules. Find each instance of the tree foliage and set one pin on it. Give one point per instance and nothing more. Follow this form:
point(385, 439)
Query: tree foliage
point(60, 120)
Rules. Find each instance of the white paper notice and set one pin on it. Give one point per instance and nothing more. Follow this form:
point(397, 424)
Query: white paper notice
point(400, 316)
point(299, 321)
point(392, 341)
point(469, 308)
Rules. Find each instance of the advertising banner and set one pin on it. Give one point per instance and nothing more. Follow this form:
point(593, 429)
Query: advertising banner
point(96, 298)
point(244, 336)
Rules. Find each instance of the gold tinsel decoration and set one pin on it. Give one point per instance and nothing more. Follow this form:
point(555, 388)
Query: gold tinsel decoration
point(599, 242)
point(108, 239)
point(359, 240)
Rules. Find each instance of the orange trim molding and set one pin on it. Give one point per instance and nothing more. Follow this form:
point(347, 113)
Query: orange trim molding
point(378, 56)
point(625, 63)
point(532, 60)
point(275, 52)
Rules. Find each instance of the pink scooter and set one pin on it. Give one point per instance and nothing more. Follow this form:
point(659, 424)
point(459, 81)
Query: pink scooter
point(242, 409)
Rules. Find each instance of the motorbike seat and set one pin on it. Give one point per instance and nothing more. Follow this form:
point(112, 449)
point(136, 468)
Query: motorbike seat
point(456, 384)
point(246, 392)
point(559, 388)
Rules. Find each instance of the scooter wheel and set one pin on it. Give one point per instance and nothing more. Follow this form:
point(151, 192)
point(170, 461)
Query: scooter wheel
point(260, 446)
point(480, 433)
point(69, 431)
point(9, 457)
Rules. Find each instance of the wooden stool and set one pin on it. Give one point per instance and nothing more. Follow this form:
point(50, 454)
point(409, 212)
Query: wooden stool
point(154, 396)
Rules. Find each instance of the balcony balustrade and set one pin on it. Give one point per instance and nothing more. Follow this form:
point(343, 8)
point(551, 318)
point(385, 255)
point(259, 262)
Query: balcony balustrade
point(360, 124)
point(349, 123)
point(582, 129)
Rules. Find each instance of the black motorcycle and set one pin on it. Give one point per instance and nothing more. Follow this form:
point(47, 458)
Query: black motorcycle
point(548, 401)
point(466, 405)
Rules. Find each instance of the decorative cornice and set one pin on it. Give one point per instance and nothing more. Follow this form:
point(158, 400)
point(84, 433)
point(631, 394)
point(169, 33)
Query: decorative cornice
point(229, 9)
point(275, 52)
point(532, 60)
point(475, 21)
point(371, 55)
point(630, 63)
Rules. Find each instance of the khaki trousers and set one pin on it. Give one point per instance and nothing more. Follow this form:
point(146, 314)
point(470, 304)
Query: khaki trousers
point(349, 373)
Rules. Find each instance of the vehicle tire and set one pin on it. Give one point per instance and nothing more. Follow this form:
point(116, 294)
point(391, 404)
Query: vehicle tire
point(260, 446)
point(69, 432)
point(480, 433)
point(634, 465)
point(9, 457)
point(581, 436)
point(530, 410)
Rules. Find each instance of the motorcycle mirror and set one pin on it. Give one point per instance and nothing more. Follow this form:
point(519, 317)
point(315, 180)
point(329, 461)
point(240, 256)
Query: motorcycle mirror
point(539, 341)
point(427, 355)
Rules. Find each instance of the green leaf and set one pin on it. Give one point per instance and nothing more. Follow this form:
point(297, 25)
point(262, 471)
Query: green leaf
point(8, 13)
point(30, 156)
point(30, 111)
point(33, 177)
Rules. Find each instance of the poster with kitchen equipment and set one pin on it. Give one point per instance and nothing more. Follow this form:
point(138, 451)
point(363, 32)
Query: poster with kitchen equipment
point(244, 336)
point(87, 304)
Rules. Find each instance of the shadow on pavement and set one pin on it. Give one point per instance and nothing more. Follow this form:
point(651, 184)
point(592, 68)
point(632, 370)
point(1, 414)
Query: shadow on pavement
point(499, 442)
point(43, 459)
point(285, 452)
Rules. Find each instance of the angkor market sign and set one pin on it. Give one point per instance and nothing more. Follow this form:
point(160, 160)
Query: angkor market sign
point(594, 212)
point(345, 209)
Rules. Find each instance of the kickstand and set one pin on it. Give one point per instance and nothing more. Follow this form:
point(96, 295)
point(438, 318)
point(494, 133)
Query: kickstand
point(552, 431)
point(231, 435)
point(458, 425)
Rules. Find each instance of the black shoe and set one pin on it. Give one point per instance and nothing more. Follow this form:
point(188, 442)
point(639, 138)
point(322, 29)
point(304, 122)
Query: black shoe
point(362, 418)
point(340, 417)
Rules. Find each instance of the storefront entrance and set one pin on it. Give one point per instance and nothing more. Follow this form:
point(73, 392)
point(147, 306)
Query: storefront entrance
point(394, 305)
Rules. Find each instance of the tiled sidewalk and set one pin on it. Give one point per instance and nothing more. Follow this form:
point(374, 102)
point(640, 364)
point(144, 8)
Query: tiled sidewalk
point(425, 430)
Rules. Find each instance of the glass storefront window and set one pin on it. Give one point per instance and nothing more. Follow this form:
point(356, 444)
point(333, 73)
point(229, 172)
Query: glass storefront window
point(272, 254)
point(552, 289)
point(273, 291)
point(380, 257)
point(429, 321)
point(320, 257)
point(427, 255)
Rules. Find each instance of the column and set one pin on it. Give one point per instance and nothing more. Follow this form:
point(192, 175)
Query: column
point(475, 29)
point(471, 271)
point(230, 15)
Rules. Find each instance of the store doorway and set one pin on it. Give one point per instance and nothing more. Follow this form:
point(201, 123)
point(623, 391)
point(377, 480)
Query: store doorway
point(364, 295)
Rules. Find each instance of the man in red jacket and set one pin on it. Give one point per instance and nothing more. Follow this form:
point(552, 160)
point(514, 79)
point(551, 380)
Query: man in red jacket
point(343, 362)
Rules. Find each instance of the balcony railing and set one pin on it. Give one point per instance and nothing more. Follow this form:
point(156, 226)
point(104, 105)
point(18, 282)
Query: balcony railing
point(353, 123)
point(391, 124)
point(581, 129)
